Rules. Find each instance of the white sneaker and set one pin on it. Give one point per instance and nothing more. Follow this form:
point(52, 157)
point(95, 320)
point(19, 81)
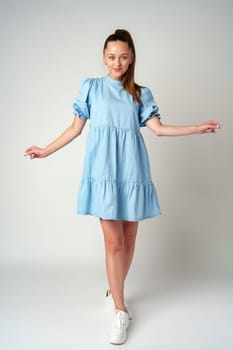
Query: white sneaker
point(111, 305)
point(119, 327)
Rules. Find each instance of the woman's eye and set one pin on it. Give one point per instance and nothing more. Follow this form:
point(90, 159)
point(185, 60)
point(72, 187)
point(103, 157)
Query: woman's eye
point(111, 58)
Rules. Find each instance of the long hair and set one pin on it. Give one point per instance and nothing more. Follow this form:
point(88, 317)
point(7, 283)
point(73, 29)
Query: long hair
point(128, 77)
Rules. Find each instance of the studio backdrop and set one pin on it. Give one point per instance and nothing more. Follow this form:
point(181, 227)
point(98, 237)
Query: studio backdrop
point(184, 55)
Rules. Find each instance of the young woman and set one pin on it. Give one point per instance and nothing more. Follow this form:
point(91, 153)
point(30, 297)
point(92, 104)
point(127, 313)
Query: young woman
point(116, 186)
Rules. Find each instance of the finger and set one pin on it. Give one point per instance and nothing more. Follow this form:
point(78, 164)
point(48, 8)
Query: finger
point(28, 153)
point(210, 130)
point(29, 149)
point(214, 123)
point(32, 154)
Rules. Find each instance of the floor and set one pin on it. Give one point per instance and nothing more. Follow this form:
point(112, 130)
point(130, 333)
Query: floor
point(64, 309)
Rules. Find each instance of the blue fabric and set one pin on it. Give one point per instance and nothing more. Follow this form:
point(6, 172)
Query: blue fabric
point(116, 181)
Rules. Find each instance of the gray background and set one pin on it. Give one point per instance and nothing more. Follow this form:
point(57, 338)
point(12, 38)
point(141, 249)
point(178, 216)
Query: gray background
point(184, 55)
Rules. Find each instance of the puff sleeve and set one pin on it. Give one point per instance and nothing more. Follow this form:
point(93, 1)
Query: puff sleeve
point(81, 105)
point(148, 107)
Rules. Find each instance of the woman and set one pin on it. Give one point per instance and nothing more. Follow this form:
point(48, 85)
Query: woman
point(116, 186)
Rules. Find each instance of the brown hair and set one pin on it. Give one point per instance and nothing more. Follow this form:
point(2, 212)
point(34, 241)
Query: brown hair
point(128, 77)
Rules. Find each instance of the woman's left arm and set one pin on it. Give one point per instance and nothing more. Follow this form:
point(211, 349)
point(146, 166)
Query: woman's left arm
point(155, 125)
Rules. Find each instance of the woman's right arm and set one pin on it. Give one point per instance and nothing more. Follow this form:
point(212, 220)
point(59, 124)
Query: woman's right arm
point(74, 130)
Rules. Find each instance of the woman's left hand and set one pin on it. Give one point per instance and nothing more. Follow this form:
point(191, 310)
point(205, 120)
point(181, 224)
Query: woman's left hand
point(208, 127)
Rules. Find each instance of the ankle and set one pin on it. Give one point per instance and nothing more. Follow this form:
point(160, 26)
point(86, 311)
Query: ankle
point(118, 306)
point(121, 308)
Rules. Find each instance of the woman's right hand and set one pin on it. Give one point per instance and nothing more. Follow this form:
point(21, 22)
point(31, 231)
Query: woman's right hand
point(35, 152)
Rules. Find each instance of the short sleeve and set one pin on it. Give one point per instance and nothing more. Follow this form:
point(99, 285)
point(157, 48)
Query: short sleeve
point(81, 105)
point(148, 107)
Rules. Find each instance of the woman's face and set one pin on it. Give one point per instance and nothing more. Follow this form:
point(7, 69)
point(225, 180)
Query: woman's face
point(117, 58)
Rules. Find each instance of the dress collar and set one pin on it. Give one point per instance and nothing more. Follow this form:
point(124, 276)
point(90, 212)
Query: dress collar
point(113, 81)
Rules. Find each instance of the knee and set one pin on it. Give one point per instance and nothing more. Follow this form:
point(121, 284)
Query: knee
point(130, 238)
point(114, 245)
point(130, 232)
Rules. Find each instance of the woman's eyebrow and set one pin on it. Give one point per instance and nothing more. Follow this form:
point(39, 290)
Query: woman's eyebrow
point(113, 54)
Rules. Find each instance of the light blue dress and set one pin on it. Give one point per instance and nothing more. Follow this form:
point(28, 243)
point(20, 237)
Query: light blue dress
point(116, 181)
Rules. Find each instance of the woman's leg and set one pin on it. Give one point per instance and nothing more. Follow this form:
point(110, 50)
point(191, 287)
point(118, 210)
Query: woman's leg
point(130, 233)
point(119, 240)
